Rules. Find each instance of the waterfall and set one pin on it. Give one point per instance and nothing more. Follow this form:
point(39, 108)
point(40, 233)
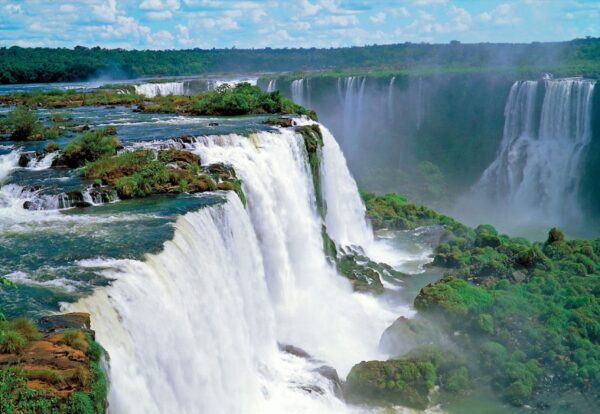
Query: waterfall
point(8, 162)
point(351, 93)
point(272, 86)
point(301, 92)
point(188, 329)
point(42, 163)
point(390, 97)
point(151, 90)
point(537, 169)
point(195, 328)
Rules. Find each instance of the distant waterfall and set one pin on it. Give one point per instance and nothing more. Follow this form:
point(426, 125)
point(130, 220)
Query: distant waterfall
point(195, 328)
point(272, 85)
point(390, 97)
point(537, 170)
point(151, 90)
point(351, 93)
point(301, 92)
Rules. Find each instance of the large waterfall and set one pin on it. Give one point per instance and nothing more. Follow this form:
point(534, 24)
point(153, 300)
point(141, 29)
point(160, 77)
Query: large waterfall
point(195, 328)
point(538, 167)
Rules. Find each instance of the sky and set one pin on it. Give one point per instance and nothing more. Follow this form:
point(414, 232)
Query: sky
point(184, 24)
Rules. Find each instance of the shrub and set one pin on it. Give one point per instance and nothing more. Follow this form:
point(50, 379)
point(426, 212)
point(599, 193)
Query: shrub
point(90, 146)
point(12, 342)
point(26, 328)
point(75, 339)
point(51, 147)
point(24, 124)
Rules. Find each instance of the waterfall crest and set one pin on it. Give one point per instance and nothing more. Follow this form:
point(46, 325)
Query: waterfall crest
point(537, 170)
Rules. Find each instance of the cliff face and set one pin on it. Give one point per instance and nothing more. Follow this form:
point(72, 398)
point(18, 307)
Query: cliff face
point(52, 366)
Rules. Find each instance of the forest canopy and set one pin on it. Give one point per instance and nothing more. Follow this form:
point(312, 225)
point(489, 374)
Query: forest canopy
point(27, 65)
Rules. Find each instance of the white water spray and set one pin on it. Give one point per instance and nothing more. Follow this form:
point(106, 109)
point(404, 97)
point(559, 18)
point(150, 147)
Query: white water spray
point(8, 162)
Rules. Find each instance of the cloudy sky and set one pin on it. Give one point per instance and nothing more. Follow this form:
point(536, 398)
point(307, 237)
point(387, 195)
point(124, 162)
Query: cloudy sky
point(179, 24)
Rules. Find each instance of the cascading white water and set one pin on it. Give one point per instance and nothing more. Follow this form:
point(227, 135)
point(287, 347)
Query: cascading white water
point(43, 163)
point(536, 175)
point(281, 203)
point(301, 92)
point(390, 97)
point(195, 328)
point(272, 85)
point(8, 162)
point(351, 93)
point(188, 330)
point(151, 90)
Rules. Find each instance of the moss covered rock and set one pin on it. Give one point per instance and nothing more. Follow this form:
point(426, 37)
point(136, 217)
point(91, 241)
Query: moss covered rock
point(402, 382)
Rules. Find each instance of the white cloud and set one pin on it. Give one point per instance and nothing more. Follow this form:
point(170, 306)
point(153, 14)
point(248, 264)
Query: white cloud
point(307, 8)
point(159, 15)
point(106, 11)
point(158, 5)
point(221, 23)
point(400, 12)
point(67, 8)
point(378, 18)
point(503, 15)
point(183, 35)
point(162, 38)
point(459, 20)
point(13, 8)
point(257, 15)
point(338, 21)
point(430, 2)
point(126, 27)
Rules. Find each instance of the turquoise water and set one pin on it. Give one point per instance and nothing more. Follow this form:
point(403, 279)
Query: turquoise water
point(41, 250)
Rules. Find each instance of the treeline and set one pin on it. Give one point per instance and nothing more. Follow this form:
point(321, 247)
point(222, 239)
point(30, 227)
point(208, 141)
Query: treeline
point(26, 65)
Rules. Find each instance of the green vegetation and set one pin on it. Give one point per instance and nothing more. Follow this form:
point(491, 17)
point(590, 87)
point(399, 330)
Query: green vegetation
point(22, 65)
point(23, 124)
point(16, 334)
point(393, 211)
point(313, 141)
point(90, 146)
point(394, 381)
point(529, 312)
point(87, 379)
point(243, 99)
point(69, 98)
point(142, 172)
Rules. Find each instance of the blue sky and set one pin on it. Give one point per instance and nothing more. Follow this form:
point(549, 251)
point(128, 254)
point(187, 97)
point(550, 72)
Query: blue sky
point(180, 24)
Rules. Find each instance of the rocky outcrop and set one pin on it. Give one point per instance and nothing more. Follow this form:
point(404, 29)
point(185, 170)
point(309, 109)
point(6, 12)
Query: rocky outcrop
point(56, 363)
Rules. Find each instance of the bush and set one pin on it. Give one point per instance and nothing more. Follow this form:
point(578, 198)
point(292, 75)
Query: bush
point(24, 124)
point(90, 146)
point(12, 342)
point(75, 339)
point(26, 328)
